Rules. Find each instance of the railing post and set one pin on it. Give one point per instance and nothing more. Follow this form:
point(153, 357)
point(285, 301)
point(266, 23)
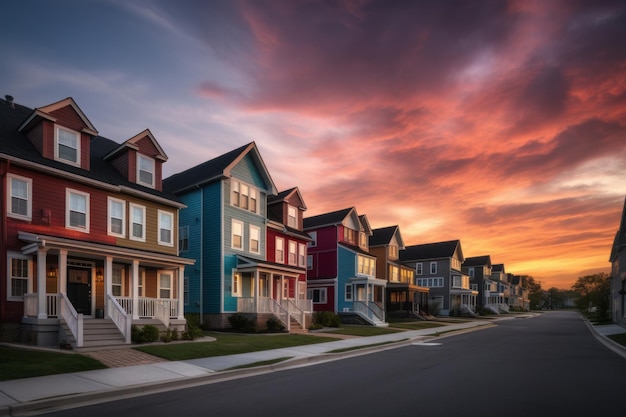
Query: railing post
point(79, 331)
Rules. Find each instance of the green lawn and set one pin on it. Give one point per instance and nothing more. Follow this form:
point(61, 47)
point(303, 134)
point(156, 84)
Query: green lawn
point(16, 363)
point(416, 325)
point(230, 344)
point(619, 338)
point(363, 331)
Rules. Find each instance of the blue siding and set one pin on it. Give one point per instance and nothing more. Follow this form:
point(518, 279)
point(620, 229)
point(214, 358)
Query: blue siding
point(230, 263)
point(346, 269)
point(188, 218)
point(247, 170)
point(212, 247)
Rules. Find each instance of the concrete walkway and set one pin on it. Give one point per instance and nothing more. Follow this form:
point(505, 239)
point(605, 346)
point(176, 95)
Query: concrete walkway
point(46, 393)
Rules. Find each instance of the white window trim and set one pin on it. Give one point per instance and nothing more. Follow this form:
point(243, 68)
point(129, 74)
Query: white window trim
point(29, 197)
point(140, 282)
point(246, 190)
point(347, 290)
point(232, 234)
point(258, 230)
point(302, 255)
point(294, 217)
point(138, 176)
point(313, 242)
point(171, 216)
point(236, 283)
point(109, 217)
point(122, 280)
point(56, 146)
point(131, 234)
point(322, 295)
point(291, 243)
point(171, 281)
point(280, 259)
point(29, 278)
point(419, 268)
point(431, 267)
point(68, 192)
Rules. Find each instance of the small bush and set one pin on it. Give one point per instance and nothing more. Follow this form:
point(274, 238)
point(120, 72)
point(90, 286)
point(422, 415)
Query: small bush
point(242, 323)
point(146, 334)
point(274, 325)
point(169, 335)
point(326, 319)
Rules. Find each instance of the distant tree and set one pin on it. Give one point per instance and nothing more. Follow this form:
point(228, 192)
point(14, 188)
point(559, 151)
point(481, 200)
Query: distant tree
point(594, 291)
point(535, 293)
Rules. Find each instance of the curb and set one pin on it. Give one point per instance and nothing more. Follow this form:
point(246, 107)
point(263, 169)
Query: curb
point(89, 398)
point(606, 341)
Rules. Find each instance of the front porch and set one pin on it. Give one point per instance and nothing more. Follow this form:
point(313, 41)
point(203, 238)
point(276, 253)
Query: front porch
point(75, 282)
point(274, 289)
point(406, 300)
point(365, 297)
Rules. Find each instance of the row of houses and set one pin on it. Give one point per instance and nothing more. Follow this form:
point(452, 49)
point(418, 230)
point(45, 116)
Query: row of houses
point(94, 240)
point(617, 259)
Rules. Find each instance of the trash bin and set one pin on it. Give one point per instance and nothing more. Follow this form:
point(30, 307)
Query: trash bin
point(99, 313)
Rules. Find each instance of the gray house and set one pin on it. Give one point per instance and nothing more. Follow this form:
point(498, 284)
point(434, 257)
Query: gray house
point(438, 267)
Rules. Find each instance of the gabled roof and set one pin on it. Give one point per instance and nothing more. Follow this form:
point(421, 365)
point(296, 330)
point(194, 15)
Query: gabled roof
point(286, 196)
point(484, 260)
point(44, 113)
point(497, 268)
point(619, 242)
point(384, 235)
point(14, 145)
point(327, 219)
point(216, 169)
point(365, 225)
point(436, 250)
point(131, 143)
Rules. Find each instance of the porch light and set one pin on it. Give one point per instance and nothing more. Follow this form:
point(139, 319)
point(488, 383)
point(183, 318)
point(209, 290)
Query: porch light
point(99, 276)
point(52, 272)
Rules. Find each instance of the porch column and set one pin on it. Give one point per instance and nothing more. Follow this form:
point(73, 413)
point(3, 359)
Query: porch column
point(135, 280)
point(62, 272)
point(282, 288)
point(181, 292)
point(42, 311)
point(108, 281)
point(256, 290)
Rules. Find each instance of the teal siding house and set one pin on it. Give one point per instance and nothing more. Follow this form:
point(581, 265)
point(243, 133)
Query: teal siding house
point(224, 229)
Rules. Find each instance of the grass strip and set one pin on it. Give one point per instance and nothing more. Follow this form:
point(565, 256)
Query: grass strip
point(348, 349)
point(416, 325)
point(260, 363)
point(16, 363)
point(618, 338)
point(364, 331)
point(230, 344)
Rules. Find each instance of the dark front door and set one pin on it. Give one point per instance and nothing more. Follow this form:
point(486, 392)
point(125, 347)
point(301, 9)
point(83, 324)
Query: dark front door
point(79, 289)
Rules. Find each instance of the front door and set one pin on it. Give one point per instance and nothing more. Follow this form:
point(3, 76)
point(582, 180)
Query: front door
point(79, 289)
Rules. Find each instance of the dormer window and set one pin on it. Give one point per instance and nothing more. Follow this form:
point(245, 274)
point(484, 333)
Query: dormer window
point(145, 171)
point(292, 219)
point(67, 146)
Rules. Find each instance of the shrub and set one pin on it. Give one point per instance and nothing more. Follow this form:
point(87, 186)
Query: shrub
point(326, 319)
point(242, 323)
point(274, 325)
point(146, 334)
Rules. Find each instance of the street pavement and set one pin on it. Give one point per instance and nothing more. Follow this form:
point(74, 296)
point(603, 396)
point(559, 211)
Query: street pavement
point(30, 395)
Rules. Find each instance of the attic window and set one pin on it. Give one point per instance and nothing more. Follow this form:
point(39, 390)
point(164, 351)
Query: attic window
point(67, 146)
point(145, 171)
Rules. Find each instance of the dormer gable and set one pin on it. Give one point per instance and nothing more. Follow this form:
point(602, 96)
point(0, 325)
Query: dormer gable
point(62, 132)
point(287, 208)
point(140, 159)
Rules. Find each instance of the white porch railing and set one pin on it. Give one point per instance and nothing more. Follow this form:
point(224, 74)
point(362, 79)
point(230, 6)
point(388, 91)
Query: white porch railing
point(294, 311)
point(73, 320)
point(264, 305)
point(370, 310)
point(121, 318)
point(304, 305)
point(51, 305)
point(162, 309)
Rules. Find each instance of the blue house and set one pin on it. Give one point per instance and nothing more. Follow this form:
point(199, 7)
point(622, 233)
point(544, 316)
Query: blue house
point(224, 228)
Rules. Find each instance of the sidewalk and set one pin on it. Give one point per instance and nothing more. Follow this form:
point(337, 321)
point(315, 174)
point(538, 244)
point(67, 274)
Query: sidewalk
point(64, 390)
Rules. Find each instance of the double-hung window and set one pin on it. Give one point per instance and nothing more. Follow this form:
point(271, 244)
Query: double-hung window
point(77, 210)
point(237, 234)
point(433, 267)
point(166, 228)
point(67, 146)
point(183, 238)
point(117, 217)
point(280, 250)
point(243, 196)
point(117, 274)
point(255, 239)
point(19, 275)
point(236, 285)
point(292, 219)
point(317, 295)
point(301, 255)
point(138, 222)
point(292, 253)
point(20, 197)
point(145, 171)
point(165, 285)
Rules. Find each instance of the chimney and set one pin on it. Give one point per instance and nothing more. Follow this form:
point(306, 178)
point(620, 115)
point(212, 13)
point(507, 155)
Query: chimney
point(9, 100)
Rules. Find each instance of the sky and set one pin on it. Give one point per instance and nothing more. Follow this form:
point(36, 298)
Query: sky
point(498, 123)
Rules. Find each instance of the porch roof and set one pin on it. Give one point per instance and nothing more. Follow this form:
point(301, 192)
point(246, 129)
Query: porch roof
point(405, 286)
point(463, 291)
point(368, 280)
point(98, 250)
point(245, 264)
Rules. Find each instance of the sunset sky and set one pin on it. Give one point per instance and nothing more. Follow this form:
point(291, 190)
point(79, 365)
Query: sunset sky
point(499, 123)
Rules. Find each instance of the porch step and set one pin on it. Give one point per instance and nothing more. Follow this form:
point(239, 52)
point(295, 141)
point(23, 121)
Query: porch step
point(296, 328)
point(97, 334)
